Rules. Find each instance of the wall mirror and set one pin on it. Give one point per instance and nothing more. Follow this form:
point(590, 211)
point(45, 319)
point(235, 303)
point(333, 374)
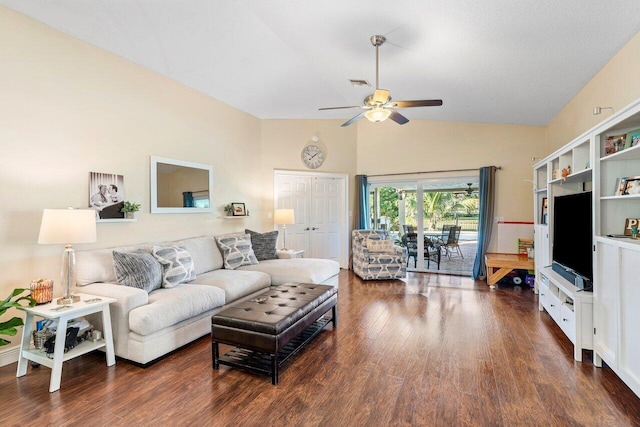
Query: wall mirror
point(180, 187)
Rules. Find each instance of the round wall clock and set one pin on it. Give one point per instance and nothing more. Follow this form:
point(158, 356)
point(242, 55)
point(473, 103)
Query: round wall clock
point(312, 156)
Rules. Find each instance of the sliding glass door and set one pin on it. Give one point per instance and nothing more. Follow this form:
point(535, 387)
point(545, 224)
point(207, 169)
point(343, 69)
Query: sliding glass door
point(434, 218)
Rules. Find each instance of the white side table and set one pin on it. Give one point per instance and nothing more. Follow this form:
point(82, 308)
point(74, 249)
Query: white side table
point(290, 253)
point(88, 304)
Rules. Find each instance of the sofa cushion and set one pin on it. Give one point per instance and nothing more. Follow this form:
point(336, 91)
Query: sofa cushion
point(264, 244)
point(235, 283)
point(303, 270)
point(205, 253)
point(168, 307)
point(96, 265)
point(376, 245)
point(236, 251)
point(177, 264)
point(137, 270)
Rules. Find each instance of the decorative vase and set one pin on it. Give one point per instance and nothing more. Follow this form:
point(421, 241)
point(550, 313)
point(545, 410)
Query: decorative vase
point(129, 215)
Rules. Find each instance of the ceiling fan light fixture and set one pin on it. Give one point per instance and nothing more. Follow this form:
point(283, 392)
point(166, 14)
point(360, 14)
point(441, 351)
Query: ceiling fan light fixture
point(377, 114)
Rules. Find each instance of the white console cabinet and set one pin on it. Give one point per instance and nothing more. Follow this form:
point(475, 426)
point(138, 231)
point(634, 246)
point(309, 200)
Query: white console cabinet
point(569, 307)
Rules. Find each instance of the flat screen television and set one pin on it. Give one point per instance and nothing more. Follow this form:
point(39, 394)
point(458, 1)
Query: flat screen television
point(573, 234)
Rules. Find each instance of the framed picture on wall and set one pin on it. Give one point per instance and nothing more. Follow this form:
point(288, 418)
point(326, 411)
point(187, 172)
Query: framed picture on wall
point(238, 209)
point(106, 195)
point(545, 211)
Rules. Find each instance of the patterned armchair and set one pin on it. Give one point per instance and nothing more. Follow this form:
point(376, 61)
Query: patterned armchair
point(374, 263)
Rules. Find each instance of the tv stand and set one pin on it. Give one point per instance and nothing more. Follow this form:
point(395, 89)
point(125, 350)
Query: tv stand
point(570, 307)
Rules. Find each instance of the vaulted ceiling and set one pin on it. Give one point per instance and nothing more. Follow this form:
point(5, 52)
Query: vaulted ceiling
point(497, 61)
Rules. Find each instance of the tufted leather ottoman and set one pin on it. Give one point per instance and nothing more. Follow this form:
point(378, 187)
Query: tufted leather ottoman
point(272, 326)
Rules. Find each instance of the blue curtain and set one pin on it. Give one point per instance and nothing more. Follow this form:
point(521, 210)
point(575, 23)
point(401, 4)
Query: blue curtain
point(485, 217)
point(362, 203)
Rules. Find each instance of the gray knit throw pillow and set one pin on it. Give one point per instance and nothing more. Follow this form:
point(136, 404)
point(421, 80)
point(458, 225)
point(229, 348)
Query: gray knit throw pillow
point(137, 270)
point(264, 244)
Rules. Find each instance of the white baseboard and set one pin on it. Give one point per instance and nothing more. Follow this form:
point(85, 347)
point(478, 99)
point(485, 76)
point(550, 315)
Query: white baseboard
point(9, 356)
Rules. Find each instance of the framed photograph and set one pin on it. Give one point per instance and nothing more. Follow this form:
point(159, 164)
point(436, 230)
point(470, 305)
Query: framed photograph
point(633, 139)
point(614, 143)
point(106, 195)
point(544, 212)
point(238, 209)
point(630, 185)
point(629, 223)
point(619, 187)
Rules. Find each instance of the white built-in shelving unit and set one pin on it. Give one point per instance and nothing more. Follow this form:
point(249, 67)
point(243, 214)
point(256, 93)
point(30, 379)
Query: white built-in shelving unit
point(606, 320)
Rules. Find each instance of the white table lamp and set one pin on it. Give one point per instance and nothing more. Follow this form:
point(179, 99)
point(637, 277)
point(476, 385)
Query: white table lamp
point(67, 226)
point(284, 217)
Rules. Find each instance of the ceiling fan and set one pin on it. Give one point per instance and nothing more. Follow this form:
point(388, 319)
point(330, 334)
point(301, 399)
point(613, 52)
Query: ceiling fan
point(378, 105)
point(467, 191)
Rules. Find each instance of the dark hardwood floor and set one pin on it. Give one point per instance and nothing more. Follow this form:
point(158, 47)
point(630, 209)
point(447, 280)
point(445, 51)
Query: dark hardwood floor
point(434, 351)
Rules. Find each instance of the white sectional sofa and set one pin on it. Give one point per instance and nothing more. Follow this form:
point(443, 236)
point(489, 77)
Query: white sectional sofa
point(148, 325)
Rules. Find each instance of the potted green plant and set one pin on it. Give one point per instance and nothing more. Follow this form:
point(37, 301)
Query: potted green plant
point(9, 327)
point(129, 208)
point(228, 210)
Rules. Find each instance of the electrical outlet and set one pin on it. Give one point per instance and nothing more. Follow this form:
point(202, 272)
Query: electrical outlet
point(269, 215)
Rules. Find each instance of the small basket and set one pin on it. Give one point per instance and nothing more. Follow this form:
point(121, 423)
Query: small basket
point(42, 291)
point(39, 338)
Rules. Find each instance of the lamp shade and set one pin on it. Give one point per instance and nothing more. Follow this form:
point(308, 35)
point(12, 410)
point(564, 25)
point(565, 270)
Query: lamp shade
point(68, 226)
point(284, 216)
point(377, 114)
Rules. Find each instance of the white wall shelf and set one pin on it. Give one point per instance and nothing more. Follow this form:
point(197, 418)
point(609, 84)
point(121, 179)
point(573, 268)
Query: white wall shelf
point(116, 220)
point(236, 217)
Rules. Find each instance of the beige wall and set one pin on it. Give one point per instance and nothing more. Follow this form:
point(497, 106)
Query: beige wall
point(616, 85)
point(68, 109)
point(283, 141)
point(423, 145)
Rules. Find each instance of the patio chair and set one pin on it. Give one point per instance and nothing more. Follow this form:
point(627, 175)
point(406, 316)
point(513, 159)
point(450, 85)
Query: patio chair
point(432, 250)
point(450, 238)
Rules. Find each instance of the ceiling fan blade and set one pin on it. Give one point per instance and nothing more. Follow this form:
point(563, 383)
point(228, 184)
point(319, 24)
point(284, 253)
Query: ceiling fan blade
point(340, 108)
point(419, 103)
point(398, 118)
point(381, 96)
point(353, 119)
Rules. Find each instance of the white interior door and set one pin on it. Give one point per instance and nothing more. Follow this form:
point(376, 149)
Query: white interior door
point(294, 193)
point(326, 206)
point(320, 204)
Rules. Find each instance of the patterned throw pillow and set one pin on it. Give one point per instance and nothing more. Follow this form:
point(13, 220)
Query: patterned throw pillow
point(379, 245)
point(236, 251)
point(264, 244)
point(137, 270)
point(177, 265)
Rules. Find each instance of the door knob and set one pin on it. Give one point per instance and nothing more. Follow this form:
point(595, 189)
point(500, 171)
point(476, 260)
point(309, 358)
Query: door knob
point(307, 229)
point(314, 228)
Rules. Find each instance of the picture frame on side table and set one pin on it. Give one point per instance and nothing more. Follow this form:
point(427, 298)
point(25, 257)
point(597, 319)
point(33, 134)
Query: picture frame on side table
point(544, 212)
point(238, 209)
